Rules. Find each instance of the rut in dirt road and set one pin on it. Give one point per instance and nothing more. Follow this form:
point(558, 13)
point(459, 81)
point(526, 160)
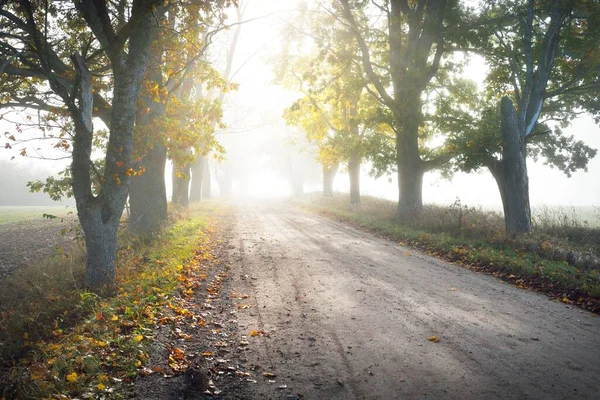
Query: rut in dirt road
point(349, 316)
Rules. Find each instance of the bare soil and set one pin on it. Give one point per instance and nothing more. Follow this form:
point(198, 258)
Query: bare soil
point(25, 243)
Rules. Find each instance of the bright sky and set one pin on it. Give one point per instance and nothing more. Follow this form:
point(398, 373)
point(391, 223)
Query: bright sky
point(260, 138)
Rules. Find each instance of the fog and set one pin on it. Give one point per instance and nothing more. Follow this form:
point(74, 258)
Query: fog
point(266, 158)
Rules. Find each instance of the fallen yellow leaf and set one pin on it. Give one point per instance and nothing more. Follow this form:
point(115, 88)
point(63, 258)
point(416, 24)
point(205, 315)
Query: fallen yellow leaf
point(115, 318)
point(138, 338)
point(434, 339)
point(72, 377)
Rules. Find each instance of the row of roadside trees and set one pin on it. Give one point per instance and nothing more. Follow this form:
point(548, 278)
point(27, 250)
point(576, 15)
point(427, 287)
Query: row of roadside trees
point(139, 68)
point(382, 81)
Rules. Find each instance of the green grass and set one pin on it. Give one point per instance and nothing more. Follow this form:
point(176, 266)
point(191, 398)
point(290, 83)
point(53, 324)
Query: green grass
point(58, 338)
point(14, 214)
point(476, 239)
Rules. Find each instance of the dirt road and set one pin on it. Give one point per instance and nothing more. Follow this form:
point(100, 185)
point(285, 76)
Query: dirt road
point(349, 316)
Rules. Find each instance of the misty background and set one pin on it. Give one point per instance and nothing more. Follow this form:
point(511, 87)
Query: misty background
point(266, 158)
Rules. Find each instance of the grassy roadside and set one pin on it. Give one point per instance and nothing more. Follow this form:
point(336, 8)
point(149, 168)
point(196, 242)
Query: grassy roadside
point(476, 240)
point(58, 340)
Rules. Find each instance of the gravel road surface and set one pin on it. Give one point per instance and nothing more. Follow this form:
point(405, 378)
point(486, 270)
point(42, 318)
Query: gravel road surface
point(349, 316)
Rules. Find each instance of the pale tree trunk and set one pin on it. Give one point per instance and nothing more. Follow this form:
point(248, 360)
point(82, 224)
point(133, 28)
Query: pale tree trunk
point(511, 173)
point(354, 172)
point(329, 173)
point(197, 170)
point(410, 170)
point(206, 181)
point(101, 246)
point(181, 183)
point(148, 193)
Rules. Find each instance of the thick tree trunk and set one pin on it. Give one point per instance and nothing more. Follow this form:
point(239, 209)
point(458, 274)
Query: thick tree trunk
point(329, 173)
point(354, 172)
point(181, 183)
point(410, 170)
point(197, 170)
point(511, 174)
point(101, 247)
point(206, 181)
point(148, 193)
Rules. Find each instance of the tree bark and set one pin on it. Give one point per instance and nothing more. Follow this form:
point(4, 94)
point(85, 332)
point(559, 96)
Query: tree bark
point(197, 170)
point(408, 159)
point(181, 183)
point(329, 173)
point(354, 172)
point(511, 173)
point(148, 193)
point(101, 246)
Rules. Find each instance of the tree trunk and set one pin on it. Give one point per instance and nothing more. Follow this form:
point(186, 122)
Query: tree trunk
point(181, 183)
point(511, 174)
point(329, 173)
point(148, 193)
point(101, 247)
point(408, 160)
point(197, 170)
point(354, 172)
point(206, 181)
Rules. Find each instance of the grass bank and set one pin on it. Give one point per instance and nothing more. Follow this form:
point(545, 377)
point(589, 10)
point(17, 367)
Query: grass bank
point(57, 339)
point(559, 258)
